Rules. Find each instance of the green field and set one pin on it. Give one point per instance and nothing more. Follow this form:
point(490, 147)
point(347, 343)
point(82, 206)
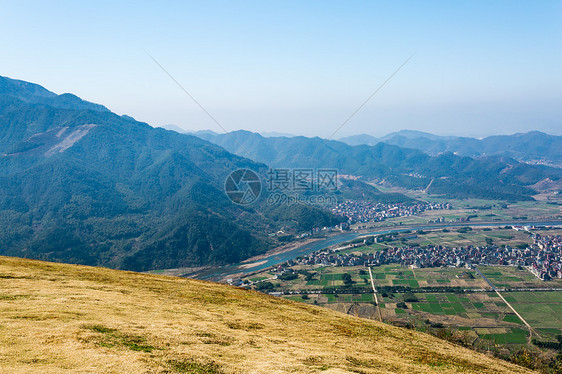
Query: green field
point(483, 313)
point(412, 295)
point(514, 277)
point(511, 336)
point(468, 306)
point(485, 210)
point(540, 309)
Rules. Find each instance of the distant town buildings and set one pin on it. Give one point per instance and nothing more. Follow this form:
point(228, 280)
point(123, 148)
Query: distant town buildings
point(543, 258)
point(548, 252)
point(363, 211)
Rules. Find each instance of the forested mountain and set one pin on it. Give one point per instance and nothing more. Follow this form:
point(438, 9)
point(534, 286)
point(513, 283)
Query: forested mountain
point(35, 94)
point(533, 146)
point(455, 176)
point(81, 184)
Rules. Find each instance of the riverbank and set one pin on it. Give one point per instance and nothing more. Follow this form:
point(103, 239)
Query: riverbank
point(280, 255)
point(292, 250)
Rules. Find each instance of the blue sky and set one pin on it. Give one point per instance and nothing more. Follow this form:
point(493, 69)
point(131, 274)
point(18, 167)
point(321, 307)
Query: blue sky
point(301, 67)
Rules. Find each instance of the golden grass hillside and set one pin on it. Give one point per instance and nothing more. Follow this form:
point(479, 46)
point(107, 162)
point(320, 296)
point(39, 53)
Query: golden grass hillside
point(64, 318)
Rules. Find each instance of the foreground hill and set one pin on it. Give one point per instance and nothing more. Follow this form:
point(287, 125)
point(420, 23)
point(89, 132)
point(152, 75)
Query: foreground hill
point(495, 177)
point(67, 318)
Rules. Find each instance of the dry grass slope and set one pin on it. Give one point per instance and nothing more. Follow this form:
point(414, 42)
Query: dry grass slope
point(64, 318)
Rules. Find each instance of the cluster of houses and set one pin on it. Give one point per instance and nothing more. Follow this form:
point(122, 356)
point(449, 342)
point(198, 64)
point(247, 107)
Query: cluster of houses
point(444, 220)
point(320, 230)
point(363, 211)
point(548, 261)
point(543, 258)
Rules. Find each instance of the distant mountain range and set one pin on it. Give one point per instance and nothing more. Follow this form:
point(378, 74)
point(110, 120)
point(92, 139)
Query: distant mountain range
point(267, 134)
point(531, 147)
point(81, 184)
point(494, 177)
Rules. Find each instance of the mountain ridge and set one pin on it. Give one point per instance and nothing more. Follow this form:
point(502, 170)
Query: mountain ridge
point(494, 177)
point(37, 94)
point(531, 146)
point(84, 185)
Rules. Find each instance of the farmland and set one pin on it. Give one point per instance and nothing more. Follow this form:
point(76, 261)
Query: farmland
point(477, 210)
point(481, 312)
point(452, 299)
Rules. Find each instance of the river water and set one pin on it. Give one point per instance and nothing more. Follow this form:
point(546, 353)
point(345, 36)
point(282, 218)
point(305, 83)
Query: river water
point(274, 259)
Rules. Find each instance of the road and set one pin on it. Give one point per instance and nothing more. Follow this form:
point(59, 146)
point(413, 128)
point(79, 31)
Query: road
point(375, 294)
point(486, 279)
point(531, 330)
point(393, 227)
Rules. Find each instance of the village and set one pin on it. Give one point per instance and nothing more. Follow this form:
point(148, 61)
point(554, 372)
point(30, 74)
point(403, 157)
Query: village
point(543, 257)
point(363, 211)
point(358, 211)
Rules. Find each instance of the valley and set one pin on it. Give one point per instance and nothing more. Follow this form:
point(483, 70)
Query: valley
point(454, 301)
point(268, 187)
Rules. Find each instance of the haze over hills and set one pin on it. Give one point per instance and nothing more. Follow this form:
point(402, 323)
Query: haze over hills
point(533, 146)
point(59, 318)
point(139, 233)
point(80, 184)
point(492, 177)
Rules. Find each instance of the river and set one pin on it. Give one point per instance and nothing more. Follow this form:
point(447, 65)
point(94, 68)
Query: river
point(222, 272)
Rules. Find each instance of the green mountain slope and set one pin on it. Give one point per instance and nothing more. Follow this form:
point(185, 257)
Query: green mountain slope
point(35, 94)
point(80, 184)
point(493, 177)
point(528, 147)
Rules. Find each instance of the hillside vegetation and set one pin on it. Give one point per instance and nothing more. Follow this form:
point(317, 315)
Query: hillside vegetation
point(80, 184)
point(529, 146)
point(67, 318)
point(495, 177)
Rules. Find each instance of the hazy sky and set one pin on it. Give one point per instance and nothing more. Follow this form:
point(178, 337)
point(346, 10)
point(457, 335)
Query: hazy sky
point(480, 67)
